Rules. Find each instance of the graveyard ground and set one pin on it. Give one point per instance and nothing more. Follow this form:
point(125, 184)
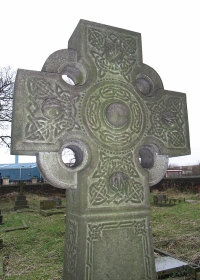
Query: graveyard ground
point(37, 252)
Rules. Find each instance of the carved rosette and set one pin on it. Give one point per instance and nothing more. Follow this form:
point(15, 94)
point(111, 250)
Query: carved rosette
point(50, 110)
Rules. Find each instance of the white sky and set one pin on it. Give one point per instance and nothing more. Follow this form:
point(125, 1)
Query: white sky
point(32, 30)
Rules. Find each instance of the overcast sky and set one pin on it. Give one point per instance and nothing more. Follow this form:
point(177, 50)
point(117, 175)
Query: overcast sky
point(32, 30)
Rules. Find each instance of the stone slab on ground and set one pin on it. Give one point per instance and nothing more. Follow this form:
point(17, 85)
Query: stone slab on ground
point(47, 213)
point(192, 201)
point(167, 265)
point(18, 228)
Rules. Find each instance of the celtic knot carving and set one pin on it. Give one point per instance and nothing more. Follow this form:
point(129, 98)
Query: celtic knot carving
point(72, 247)
point(167, 122)
point(95, 232)
point(114, 115)
point(117, 182)
point(112, 53)
point(140, 227)
point(51, 110)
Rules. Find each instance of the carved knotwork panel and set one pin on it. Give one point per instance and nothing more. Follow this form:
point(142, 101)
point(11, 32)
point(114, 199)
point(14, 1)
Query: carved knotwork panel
point(112, 53)
point(116, 182)
point(167, 121)
point(50, 110)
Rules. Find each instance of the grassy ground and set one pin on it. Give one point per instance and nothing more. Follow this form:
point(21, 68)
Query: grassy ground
point(176, 229)
point(37, 252)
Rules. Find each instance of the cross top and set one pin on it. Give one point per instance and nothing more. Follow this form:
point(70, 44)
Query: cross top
point(117, 118)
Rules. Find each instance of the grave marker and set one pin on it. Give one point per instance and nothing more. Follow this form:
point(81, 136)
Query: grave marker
point(21, 202)
point(121, 125)
point(47, 204)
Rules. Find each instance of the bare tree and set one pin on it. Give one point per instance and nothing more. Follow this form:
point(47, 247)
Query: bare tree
point(7, 78)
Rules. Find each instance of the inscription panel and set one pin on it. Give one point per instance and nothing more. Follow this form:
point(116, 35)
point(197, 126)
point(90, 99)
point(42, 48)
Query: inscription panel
point(101, 243)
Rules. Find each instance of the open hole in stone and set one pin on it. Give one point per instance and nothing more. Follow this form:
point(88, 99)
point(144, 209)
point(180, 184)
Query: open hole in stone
point(72, 156)
point(144, 85)
point(72, 75)
point(146, 157)
point(68, 80)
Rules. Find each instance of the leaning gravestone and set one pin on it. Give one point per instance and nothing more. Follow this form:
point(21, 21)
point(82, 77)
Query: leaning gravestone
point(121, 125)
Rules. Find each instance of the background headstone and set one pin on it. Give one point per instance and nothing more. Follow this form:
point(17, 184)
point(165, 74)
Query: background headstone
point(47, 204)
point(21, 202)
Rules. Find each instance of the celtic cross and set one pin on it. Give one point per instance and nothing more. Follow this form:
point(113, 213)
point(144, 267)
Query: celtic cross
point(121, 125)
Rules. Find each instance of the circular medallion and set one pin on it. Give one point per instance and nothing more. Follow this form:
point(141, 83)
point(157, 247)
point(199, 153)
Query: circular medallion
point(113, 115)
point(51, 108)
point(117, 114)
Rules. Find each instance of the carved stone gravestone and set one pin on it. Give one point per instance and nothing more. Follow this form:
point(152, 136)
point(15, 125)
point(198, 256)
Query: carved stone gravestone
point(21, 202)
point(47, 204)
point(121, 125)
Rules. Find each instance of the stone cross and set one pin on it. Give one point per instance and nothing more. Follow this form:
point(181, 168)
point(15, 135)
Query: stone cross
point(121, 125)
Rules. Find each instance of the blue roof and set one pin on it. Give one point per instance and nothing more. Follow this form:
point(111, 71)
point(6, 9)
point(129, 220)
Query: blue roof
point(18, 165)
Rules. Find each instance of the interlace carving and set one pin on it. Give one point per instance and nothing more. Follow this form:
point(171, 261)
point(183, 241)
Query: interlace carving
point(167, 121)
point(117, 181)
point(72, 248)
point(50, 109)
point(112, 53)
point(106, 101)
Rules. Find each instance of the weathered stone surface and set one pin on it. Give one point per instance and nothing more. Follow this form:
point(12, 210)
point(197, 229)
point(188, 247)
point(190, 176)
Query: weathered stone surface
point(121, 125)
point(47, 204)
point(21, 202)
point(57, 200)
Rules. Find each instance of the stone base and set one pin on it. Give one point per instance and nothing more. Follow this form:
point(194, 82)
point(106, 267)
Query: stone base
point(108, 247)
point(20, 207)
point(50, 212)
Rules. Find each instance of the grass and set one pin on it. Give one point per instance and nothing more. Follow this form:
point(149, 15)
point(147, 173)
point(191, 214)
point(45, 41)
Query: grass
point(38, 252)
point(176, 229)
point(35, 253)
